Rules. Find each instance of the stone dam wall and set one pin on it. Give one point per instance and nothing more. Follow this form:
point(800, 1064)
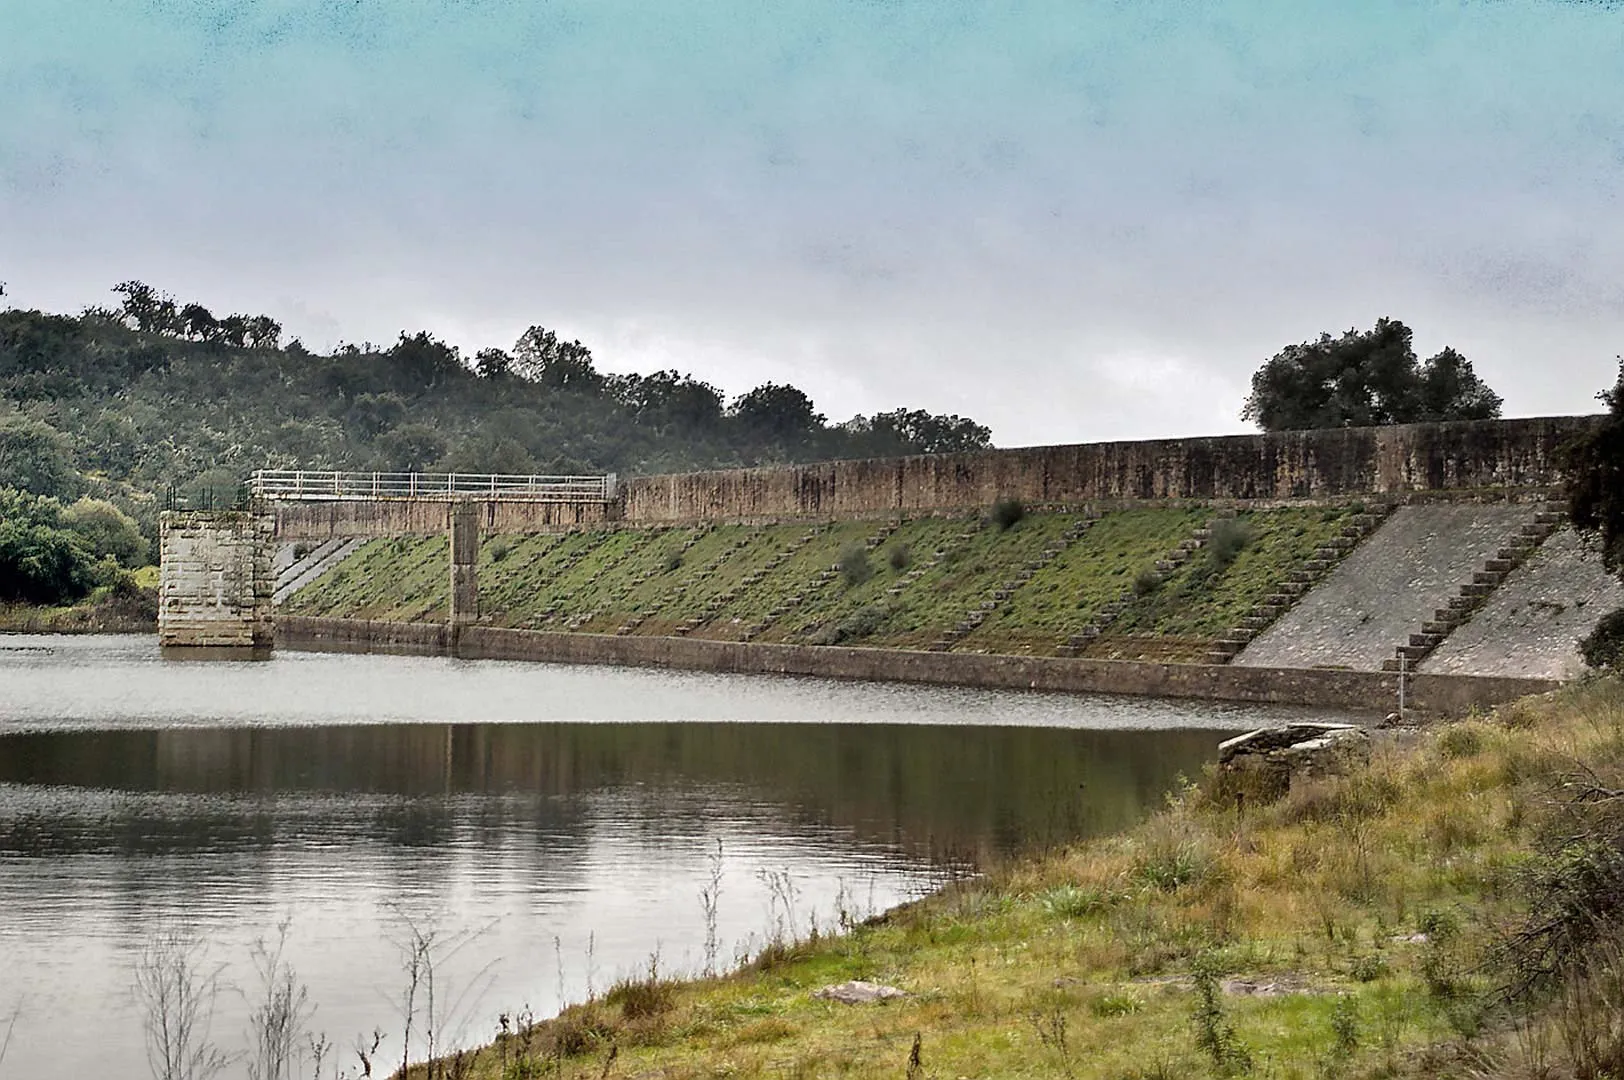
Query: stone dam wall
point(1369, 549)
point(1342, 462)
point(1294, 465)
point(1449, 695)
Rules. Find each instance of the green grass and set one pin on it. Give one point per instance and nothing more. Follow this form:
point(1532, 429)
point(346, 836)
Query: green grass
point(796, 576)
point(606, 575)
point(971, 570)
point(405, 579)
point(1067, 595)
point(1201, 600)
point(839, 601)
point(1325, 894)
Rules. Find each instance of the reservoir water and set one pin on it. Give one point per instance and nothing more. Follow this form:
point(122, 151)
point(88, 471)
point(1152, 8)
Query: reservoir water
point(552, 828)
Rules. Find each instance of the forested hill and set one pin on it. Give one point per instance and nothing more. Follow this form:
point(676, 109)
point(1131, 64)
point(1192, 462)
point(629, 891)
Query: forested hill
point(157, 396)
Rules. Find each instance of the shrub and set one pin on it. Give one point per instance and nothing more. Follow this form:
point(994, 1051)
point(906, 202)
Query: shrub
point(854, 565)
point(1146, 582)
point(499, 549)
point(673, 562)
point(1229, 538)
point(107, 530)
point(899, 556)
point(859, 624)
point(1370, 967)
point(1070, 902)
point(1006, 512)
point(1603, 647)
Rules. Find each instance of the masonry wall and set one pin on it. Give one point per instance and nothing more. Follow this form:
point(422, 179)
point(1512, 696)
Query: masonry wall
point(215, 580)
point(425, 517)
point(1429, 694)
point(1283, 465)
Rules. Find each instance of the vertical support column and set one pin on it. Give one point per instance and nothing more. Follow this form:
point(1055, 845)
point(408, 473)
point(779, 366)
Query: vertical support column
point(464, 558)
point(215, 579)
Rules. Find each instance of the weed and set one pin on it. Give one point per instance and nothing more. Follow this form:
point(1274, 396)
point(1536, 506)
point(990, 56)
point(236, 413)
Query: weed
point(499, 548)
point(1071, 902)
point(1345, 1027)
point(644, 997)
point(1214, 1035)
point(1006, 512)
point(899, 556)
point(1461, 740)
point(1370, 967)
point(1109, 1005)
point(1146, 582)
point(854, 565)
point(1229, 538)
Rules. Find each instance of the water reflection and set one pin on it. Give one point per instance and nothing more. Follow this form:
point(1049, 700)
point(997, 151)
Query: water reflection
point(565, 814)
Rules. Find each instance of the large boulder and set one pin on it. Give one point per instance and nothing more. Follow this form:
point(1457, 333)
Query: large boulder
point(1270, 761)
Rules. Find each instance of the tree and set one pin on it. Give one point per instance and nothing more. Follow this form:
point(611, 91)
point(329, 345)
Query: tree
point(40, 563)
point(199, 322)
point(919, 432)
point(670, 401)
point(492, 364)
point(1593, 464)
point(542, 358)
point(423, 360)
point(234, 331)
point(263, 332)
point(776, 412)
point(411, 447)
point(36, 457)
point(1365, 379)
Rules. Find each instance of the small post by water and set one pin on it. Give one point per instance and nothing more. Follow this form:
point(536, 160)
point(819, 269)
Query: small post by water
point(1403, 661)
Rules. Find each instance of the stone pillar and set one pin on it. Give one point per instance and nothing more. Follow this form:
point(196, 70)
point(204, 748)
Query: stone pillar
point(215, 579)
point(464, 558)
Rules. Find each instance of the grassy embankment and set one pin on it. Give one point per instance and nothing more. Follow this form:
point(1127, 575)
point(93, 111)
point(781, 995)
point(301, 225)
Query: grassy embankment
point(1352, 928)
point(898, 584)
point(127, 608)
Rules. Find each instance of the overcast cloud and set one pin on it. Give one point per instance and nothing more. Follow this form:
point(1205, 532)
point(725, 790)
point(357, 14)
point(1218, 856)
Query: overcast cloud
point(1070, 220)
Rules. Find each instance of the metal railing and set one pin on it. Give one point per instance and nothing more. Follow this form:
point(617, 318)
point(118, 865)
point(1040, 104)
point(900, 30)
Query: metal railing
point(301, 485)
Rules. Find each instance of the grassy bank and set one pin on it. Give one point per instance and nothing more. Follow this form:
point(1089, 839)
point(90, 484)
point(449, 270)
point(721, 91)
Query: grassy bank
point(128, 607)
point(1367, 926)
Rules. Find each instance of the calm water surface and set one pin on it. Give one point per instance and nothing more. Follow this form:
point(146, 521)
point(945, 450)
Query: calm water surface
point(559, 822)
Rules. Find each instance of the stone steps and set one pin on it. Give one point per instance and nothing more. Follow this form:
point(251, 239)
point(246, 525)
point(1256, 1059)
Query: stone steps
point(1297, 584)
point(1471, 595)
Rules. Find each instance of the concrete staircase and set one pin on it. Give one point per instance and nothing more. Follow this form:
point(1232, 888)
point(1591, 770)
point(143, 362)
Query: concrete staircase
point(1000, 596)
point(717, 603)
point(1305, 577)
point(1544, 523)
point(1171, 561)
point(300, 572)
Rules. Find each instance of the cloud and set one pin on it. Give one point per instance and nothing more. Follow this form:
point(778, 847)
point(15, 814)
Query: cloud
point(1061, 219)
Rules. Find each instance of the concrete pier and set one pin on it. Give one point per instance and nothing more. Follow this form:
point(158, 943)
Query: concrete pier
point(215, 579)
point(464, 560)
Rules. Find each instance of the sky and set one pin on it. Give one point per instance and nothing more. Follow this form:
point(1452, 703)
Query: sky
point(1070, 220)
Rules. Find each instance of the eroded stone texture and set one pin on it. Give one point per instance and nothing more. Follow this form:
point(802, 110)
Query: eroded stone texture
point(1273, 759)
point(1387, 587)
point(1532, 623)
point(215, 579)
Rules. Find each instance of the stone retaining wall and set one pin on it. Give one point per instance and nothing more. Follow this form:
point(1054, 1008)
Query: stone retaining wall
point(1446, 695)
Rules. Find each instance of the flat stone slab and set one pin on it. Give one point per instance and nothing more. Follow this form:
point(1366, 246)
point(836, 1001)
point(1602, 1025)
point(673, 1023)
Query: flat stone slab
point(858, 992)
point(1286, 736)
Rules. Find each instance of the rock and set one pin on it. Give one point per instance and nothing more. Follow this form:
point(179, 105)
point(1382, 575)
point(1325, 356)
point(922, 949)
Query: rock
point(858, 992)
point(1274, 759)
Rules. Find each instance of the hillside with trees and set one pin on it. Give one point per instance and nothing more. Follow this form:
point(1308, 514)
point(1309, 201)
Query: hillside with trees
point(157, 401)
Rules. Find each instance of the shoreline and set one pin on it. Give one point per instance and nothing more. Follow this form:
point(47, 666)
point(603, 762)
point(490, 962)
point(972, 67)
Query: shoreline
point(1346, 928)
point(1427, 695)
